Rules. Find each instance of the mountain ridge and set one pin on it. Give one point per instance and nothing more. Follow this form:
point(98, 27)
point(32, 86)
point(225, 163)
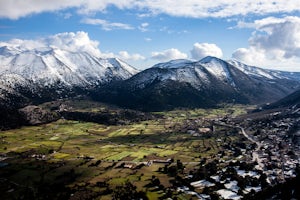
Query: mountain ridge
point(205, 83)
point(267, 73)
point(55, 73)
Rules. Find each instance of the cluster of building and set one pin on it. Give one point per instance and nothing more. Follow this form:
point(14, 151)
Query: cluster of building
point(274, 155)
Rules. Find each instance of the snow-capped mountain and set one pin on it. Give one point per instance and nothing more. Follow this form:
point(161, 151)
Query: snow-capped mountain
point(207, 82)
point(47, 66)
point(264, 73)
point(35, 72)
point(196, 73)
point(49, 73)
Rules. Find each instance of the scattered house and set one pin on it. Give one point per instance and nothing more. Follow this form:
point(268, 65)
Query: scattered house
point(204, 196)
point(39, 156)
point(191, 132)
point(187, 191)
point(149, 163)
point(204, 130)
point(202, 184)
point(130, 166)
point(249, 188)
point(228, 194)
point(183, 189)
point(232, 185)
point(162, 161)
point(216, 178)
point(243, 173)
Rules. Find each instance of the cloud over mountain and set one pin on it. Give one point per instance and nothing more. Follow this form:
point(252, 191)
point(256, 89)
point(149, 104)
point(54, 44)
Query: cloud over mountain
point(70, 41)
point(201, 50)
point(169, 54)
point(124, 55)
point(274, 40)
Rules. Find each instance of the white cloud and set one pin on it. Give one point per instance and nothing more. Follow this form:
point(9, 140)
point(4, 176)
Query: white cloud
point(107, 26)
point(15, 9)
point(69, 41)
point(23, 45)
point(249, 55)
point(78, 41)
point(201, 50)
point(148, 39)
point(143, 27)
point(124, 55)
point(275, 42)
point(219, 8)
point(169, 54)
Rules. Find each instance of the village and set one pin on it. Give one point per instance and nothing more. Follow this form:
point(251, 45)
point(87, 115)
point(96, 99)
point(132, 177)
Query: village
point(271, 158)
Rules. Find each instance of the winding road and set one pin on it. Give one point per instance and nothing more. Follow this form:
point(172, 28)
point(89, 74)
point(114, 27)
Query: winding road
point(255, 155)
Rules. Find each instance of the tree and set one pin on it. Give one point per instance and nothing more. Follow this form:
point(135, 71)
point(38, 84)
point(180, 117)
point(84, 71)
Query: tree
point(179, 165)
point(128, 191)
point(155, 181)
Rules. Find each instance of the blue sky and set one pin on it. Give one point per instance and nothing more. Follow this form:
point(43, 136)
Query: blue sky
point(144, 32)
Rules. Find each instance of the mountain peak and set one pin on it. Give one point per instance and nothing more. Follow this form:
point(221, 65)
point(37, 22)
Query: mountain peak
point(178, 63)
point(208, 59)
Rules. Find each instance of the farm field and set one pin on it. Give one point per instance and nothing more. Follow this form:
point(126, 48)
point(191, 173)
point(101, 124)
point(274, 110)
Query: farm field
point(69, 159)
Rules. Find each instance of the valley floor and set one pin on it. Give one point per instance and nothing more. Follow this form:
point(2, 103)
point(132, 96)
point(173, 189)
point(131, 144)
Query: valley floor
point(181, 154)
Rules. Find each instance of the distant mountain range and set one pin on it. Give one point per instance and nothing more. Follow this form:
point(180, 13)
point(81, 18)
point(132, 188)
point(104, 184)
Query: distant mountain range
point(205, 83)
point(33, 76)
